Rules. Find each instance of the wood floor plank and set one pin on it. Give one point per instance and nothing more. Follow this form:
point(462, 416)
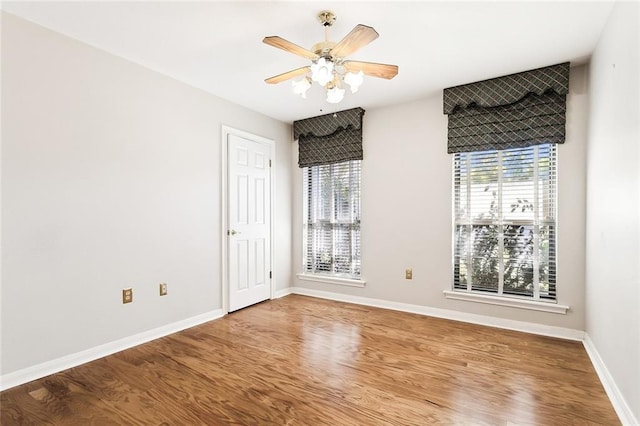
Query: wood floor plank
point(306, 361)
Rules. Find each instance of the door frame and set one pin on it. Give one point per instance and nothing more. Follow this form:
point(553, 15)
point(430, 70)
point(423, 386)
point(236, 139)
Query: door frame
point(224, 209)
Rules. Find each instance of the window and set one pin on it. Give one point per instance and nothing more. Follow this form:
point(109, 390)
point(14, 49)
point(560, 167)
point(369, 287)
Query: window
point(505, 222)
point(332, 219)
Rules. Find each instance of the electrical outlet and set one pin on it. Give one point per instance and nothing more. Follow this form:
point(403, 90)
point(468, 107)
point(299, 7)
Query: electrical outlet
point(408, 274)
point(127, 295)
point(163, 289)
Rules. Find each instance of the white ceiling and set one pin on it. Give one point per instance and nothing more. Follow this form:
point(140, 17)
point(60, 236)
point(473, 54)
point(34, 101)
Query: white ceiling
point(217, 46)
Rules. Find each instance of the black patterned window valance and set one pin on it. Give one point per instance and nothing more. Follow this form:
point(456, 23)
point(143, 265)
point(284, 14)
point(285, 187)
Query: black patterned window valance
point(330, 138)
point(514, 111)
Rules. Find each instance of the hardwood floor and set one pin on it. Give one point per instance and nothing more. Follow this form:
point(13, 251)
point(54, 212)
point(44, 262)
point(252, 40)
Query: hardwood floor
point(305, 361)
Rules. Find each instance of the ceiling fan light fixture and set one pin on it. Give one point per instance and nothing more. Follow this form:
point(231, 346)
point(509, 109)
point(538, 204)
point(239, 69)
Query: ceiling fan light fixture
point(301, 86)
point(354, 80)
point(335, 95)
point(329, 67)
point(322, 71)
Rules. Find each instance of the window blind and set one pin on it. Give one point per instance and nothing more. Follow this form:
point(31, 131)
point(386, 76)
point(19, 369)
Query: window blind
point(332, 219)
point(505, 221)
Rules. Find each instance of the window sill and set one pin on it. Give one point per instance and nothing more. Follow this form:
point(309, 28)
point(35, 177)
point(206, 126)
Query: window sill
point(332, 280)
point(507, 301)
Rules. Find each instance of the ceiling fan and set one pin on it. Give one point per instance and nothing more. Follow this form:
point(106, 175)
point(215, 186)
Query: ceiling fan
point(329, 66)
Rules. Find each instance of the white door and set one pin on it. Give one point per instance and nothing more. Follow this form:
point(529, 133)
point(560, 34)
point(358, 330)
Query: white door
point(249, 217)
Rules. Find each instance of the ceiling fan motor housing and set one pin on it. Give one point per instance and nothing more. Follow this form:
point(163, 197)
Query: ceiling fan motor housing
point(323, 49)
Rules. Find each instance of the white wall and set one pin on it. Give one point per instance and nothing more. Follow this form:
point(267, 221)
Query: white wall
point(406, 211)
point(110, 179)
point(613, 198)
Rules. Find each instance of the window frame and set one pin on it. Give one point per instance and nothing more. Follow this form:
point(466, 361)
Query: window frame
point(467, 291)
point(310, 272)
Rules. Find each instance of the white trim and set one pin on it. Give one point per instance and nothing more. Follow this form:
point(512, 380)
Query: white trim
point(527, 327)
point(73, 360)
point(282, 293)
point(615, 396)
point(224, 273)
point(511, 302)
point(224, 256)
point(332, 280)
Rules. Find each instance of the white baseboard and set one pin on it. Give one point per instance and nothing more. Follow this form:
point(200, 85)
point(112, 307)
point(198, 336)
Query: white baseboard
point(527, 327)
point(615, 396)
point(59, 364)
point(282, 293)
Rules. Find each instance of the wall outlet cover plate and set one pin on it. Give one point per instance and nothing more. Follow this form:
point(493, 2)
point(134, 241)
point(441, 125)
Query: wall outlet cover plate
point(127, 295)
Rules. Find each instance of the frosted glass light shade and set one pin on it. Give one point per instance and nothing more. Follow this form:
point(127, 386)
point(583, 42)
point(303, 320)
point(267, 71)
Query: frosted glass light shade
point(354, 80)
point(322, 71)
point(301, 86)
point(335, 95)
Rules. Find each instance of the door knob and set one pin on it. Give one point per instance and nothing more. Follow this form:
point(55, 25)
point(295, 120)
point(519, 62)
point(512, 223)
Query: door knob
point(233, 232)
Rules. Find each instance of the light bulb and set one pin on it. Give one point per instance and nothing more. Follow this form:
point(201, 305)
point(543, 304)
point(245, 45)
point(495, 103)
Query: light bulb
point(322, 71)
point(354, 80)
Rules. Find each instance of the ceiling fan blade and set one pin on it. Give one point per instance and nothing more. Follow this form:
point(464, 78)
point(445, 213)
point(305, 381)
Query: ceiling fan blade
point(370, 68)
point(287, 46)
point(287, 75)
point(359, 37)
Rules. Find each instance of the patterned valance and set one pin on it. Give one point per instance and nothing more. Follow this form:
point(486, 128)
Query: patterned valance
point(330, 138)
point(514, 111)
point(508, 89)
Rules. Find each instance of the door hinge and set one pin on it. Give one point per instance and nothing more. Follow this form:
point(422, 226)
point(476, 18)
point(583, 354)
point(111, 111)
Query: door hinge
point(269, 162)
point(270, 274)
